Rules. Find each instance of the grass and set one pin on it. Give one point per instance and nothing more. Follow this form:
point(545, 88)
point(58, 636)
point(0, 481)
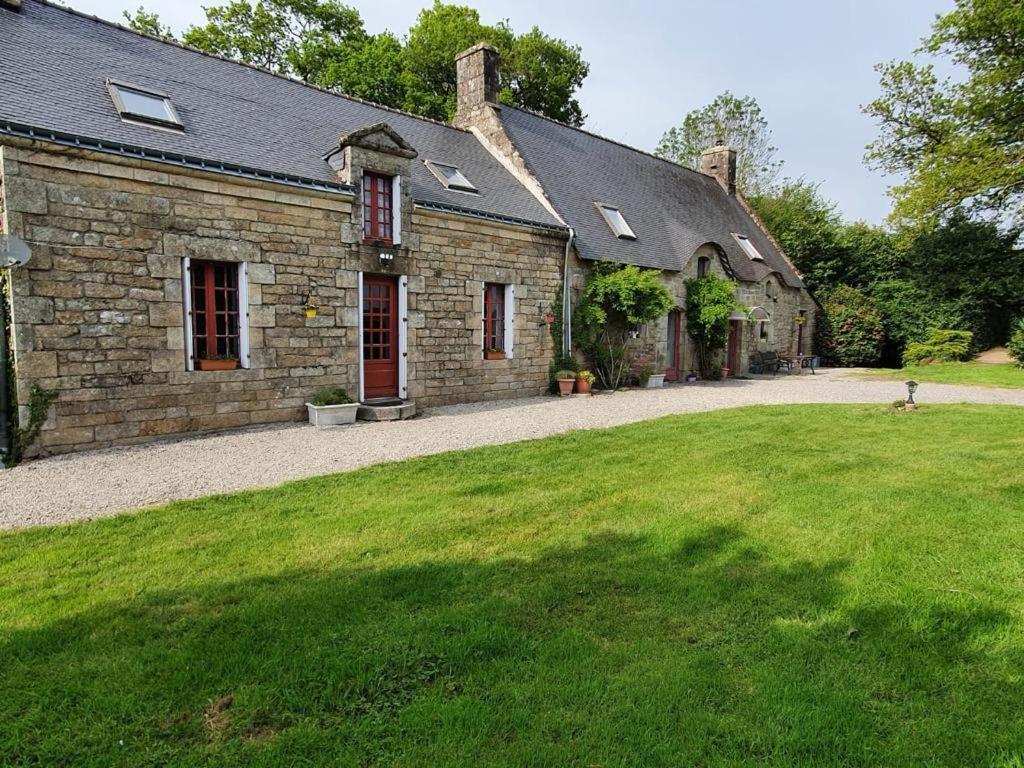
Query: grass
point(807, 585)
point(973, 374)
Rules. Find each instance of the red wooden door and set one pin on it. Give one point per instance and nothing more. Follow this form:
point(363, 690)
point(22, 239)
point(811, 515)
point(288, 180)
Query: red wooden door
point(735, 340)
point(380, 337)
point(675, 325)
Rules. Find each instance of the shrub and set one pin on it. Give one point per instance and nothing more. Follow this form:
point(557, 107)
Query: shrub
point(331, 396)
point(566, 374)
point(558, 364)
point(587, 376)
point(710, 302)
point(1016, 344)
point(941, 346)
point(852, 332)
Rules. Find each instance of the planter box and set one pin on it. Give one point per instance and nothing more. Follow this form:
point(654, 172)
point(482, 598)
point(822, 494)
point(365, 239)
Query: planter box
point(494, 355)
point(656, 381)
point(217, 365)
point(332, 415)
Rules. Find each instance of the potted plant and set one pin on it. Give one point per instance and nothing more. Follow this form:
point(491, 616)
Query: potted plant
point(218, 363)
point(494, 354)
point(584, 381)
point(566, 379)
point(331, 406)
point(725, 373)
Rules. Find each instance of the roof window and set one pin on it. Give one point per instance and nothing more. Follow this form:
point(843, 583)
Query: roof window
point(140, 105)
point(748, 247)
point(616, 221)
point(450, 176)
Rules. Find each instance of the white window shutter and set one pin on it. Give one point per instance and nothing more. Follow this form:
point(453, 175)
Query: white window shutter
point(243, 315)
point(510, 317)
point(396, 210)
point(186, 296)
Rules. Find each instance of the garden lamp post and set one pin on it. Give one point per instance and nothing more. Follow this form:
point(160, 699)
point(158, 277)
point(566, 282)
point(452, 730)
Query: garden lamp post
point(911, 389)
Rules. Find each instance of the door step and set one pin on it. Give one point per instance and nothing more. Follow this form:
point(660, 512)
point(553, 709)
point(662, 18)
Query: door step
point(386, 409)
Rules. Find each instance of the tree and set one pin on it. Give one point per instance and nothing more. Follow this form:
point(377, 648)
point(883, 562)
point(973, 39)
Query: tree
point(148, 24)
point(615, 302)
point(737, 122)
point(850, 331)
point(710, 302)
point(957, 141)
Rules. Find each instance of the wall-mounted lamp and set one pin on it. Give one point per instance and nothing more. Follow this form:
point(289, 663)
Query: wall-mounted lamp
point(385, 255)
point(310, 306)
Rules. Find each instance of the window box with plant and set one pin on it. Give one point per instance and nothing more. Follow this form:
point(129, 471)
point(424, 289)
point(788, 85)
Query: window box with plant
point(225, 363)
point(494, 354)
point(330, 407)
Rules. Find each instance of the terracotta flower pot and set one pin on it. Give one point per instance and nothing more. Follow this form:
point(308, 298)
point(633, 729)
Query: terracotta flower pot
point(725, 374)
point(583, 386)
point(565, 387)
point(217, 365)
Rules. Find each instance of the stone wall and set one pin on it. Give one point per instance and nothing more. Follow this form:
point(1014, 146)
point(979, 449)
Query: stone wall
point(99, 315)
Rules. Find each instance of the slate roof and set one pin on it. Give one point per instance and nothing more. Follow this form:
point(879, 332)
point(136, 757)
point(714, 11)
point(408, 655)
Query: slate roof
point(671, 209)
point(54, 64)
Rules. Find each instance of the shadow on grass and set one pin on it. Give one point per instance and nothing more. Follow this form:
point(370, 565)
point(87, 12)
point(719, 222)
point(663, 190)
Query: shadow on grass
point(618, 651)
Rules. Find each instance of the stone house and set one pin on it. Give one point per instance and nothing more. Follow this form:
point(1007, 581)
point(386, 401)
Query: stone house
point(211, 243)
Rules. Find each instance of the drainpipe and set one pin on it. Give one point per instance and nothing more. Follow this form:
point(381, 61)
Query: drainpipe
point(6, 435)
point(567, 297)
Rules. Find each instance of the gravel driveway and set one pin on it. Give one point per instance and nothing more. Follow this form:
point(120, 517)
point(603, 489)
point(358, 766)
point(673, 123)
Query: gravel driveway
point(86, 485)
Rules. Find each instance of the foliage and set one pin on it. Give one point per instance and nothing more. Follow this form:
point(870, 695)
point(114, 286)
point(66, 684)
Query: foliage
point(616, 301)
point(1016, 345)
point(557, 365)
point(324, 43)
point(587, 376)
point(565, 373)
point(957, 141)
point(331, 396)
point(941, 346)
point(39, 402)
point(710, 302)
point(452, 609)
point(730, 120)
point(855, 327)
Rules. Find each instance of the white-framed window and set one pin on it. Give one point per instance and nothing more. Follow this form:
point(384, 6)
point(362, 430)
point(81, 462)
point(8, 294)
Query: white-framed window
point(748, 247)
point(616, 221)
point(215, 295)
point(498, 320)
point(450, 176)
point(143, 105)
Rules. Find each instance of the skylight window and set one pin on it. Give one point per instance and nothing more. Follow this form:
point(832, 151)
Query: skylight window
point(616, 221)
point(138, 104)
point(450, 176)
point(748, 247)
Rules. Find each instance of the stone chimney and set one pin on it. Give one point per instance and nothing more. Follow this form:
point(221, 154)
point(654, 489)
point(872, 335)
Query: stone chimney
point(720, 161)
point(11, 5)
point(476, 72)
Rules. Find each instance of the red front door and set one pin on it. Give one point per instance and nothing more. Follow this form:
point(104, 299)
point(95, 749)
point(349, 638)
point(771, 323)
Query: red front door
point(675, 326)
point(735, 340)
point(380, 337)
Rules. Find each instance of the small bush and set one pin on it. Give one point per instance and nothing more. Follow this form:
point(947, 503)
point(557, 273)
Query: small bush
point(566, 374)
point(1016, 344)
point(587, 376)
point(331, 396)
point(560, 363)
point(942, 346)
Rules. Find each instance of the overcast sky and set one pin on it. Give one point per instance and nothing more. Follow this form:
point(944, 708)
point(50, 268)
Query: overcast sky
point(807, 62)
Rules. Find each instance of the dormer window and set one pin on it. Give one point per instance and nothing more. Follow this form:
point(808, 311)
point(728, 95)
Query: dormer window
point(616, 221)
point(450, 176)
point(378, 208)
point(144, 106)
point(748, 247)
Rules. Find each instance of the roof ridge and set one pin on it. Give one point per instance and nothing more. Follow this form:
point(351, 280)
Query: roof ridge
point(288, 78)
point(602, 138)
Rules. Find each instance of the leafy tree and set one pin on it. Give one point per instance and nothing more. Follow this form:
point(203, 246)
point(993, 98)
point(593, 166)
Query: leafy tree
point(543, 74)
point(148, 24)
point(737, 122)
point(957, 141)
point(371, 70)
point(615, 302)
point(851, 331)
point(710, 302)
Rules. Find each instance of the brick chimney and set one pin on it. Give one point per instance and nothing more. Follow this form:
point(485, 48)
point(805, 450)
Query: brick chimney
point(720, 161)
point(11, 5)
point(476, 72)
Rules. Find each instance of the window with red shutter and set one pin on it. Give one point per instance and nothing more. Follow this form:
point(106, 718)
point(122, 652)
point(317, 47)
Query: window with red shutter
point(216, 329)
point(378, 224)
point(494, 317)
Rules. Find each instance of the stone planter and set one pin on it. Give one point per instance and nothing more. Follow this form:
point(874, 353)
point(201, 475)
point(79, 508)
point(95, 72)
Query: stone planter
point(331, 415)
point(656, 381)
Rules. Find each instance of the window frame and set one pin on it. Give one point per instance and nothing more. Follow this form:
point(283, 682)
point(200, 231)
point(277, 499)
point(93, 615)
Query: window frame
point(114, 87)
point(501, 328)
point(380, 185)
point(748, 247)
point(241, 289)
point(457, 186)
point(703, 266)
point(622, 233)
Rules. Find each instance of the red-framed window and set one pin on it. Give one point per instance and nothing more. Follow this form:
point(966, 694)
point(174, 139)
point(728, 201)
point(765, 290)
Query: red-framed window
point(216, 320)
point(378, 209)
point(494, 317)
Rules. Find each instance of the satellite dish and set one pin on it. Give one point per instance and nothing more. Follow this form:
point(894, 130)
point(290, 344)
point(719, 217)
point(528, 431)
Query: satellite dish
point(14, 252)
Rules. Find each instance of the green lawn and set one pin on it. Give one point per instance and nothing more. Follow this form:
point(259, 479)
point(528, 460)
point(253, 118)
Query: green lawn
point(813, 585)
point(975, 374)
